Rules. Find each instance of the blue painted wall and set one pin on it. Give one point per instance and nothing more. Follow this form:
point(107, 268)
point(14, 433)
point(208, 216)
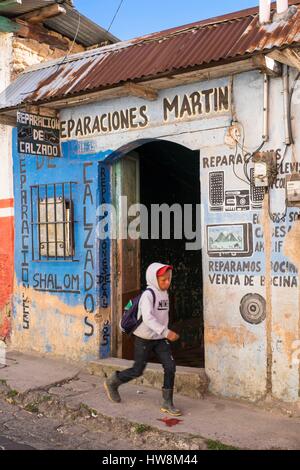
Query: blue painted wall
point(56, 301)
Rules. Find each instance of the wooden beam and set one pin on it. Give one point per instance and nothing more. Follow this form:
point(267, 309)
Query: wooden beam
point(29, 31)
point(41, 14)
point(268, 65)
point(287, 56)
point(141, 91)
point(40, 34)
point(41, 111)
point(160, 83)
point(8, 120)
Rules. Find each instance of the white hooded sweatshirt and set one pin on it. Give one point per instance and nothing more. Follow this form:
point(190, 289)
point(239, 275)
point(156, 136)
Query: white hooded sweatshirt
point(155, 318)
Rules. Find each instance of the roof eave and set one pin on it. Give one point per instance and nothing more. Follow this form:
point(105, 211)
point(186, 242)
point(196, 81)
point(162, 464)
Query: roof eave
point(206, 71)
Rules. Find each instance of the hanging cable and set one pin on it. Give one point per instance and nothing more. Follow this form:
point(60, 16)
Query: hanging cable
point(248, 160)
point(247, 155)
point(67, 54)
point(115, 15)
point(234, 171)
point(290, 108)
point(73, 42)
point(277, 218)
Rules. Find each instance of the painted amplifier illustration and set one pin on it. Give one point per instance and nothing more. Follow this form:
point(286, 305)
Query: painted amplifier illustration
point(230, 240)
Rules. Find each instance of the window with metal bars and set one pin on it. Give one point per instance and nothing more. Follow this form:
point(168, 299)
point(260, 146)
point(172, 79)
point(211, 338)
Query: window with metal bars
point(52, 222)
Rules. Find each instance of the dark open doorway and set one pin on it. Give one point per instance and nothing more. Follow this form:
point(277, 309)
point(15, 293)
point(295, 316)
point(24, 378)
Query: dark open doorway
point(169, 174)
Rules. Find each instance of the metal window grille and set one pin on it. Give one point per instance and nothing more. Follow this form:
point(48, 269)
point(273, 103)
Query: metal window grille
point(52, 222)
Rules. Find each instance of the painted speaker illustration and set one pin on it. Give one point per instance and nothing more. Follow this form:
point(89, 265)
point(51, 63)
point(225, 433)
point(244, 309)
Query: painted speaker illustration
point(253, 308)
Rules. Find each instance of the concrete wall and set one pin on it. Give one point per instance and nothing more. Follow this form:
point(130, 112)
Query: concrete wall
point(243, 359)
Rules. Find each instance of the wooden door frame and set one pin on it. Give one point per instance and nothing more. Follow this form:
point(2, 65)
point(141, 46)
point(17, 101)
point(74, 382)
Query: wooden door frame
point(117, 253)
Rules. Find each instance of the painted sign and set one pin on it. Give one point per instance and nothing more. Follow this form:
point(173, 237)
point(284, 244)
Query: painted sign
point(38, 135)
point(230, 240)
point(191, 104)
point(104, 276)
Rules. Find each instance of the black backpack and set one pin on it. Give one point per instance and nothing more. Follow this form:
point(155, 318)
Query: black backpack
point(130, 321)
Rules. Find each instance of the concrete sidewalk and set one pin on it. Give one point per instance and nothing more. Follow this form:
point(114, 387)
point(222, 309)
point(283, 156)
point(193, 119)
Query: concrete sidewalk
point(231, 422)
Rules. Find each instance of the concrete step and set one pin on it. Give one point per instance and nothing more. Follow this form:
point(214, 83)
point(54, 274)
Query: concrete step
point(190, 382)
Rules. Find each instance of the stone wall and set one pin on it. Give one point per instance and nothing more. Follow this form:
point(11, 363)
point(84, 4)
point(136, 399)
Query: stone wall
point(29, 52)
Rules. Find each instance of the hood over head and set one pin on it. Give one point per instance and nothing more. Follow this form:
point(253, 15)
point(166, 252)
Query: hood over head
point(151, 274)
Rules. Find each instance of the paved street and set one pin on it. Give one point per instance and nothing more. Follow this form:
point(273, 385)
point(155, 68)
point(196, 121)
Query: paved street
point(20, 430)
point(7, 444)
point(51, 404)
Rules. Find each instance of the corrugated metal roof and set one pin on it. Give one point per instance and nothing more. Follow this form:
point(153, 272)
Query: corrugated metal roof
point(12, 10)
point(89, 33)
point(202, 44)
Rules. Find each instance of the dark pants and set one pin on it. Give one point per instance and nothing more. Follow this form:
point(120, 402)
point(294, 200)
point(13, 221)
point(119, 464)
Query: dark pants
point(142, 350)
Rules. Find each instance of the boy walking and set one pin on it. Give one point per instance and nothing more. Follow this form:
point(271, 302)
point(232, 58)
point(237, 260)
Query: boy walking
point(152, 335)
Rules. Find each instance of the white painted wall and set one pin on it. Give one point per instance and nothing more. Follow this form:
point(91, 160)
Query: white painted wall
point(6, 180)
point(237, 353)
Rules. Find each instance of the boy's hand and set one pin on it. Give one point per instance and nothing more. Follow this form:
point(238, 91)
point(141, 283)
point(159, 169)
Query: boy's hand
point(172, 336)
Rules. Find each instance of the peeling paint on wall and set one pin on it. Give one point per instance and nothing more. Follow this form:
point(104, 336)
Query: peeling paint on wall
point(56, 304)
point(245, 254)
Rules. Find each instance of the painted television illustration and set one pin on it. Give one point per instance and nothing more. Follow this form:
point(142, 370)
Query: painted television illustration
point(230, 240)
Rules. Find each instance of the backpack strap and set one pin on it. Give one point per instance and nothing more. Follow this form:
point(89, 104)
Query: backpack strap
point(140, 320)
point(154, 301)
point(153, 294)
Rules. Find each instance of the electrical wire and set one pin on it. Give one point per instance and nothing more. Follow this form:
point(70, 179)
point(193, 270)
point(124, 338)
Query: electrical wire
point(250, 154)
point(247, 161)
point(289, 123)
point(290, 107)
point(277, 218)
point(247, 156)
point(244, 146)
point(280, 167)
point(115, 15)
point(238, 177)
point(67, 54)
point(75, 37)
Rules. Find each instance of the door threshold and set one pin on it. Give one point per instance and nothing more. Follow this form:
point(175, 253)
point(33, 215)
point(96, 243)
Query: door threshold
point(192, 382)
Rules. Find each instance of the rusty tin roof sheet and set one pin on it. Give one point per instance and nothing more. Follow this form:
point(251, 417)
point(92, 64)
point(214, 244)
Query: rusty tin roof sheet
point(87, 34)
point(206, 43)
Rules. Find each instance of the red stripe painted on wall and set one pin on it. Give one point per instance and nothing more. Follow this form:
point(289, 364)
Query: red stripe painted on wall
point(4, 203)
point(6, 274)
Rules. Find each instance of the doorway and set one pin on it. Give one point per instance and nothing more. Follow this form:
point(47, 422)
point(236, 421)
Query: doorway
point(166, 173)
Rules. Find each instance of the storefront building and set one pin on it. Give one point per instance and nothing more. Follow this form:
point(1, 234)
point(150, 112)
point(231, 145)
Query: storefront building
point(168, 119)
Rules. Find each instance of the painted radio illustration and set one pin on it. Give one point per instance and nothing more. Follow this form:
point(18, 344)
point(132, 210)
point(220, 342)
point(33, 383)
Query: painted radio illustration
point(230, 240)
point(238, 200)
